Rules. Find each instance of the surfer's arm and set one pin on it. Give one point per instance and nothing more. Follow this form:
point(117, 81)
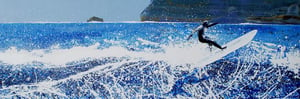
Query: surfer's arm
point(212, 24)
point(197, 29)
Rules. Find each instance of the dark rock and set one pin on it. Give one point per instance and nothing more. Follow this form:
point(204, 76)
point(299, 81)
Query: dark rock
point(291, 17)
point(95, 19)
point(228, 11)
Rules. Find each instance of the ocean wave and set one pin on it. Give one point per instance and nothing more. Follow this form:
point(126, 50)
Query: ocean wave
point(139, 67)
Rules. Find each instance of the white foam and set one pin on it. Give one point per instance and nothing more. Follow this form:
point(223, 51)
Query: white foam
point(278, 55)
point(54, 57)
point(146, 42)
point(180, 54)
point(177, 54)
point(290, 59)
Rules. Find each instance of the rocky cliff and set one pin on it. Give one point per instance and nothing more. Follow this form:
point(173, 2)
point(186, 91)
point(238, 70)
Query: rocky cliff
point(223, 11)
point(95, 19)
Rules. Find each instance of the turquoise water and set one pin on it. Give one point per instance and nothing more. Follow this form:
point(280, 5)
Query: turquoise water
point(145, 60)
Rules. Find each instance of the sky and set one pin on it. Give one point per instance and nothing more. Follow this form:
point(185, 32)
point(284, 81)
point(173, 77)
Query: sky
point(70, 10)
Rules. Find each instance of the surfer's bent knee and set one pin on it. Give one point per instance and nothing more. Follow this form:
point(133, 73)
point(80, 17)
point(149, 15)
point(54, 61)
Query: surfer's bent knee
point(202, 40)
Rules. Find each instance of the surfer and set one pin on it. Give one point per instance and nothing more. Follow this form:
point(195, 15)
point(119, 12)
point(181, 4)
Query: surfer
point(201, 29)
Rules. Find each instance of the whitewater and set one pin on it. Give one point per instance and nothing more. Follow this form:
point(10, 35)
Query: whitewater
point(145, 60)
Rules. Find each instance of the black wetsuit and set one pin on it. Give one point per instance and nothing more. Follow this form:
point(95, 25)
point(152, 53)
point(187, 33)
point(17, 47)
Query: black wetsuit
point(204, 40)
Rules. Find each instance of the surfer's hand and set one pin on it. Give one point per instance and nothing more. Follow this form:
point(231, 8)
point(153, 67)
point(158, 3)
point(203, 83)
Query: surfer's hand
point(189, 36)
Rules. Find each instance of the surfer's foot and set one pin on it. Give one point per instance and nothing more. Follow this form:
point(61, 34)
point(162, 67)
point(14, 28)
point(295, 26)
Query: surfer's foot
point(223, 47)
point(210, 48)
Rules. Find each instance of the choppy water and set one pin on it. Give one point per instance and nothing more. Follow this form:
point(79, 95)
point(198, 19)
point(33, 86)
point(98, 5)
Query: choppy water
point(145, 60)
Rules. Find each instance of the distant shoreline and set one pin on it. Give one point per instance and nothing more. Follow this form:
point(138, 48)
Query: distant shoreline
point(40, 22)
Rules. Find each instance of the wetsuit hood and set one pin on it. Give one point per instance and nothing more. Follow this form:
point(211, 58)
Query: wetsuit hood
point(205, 24)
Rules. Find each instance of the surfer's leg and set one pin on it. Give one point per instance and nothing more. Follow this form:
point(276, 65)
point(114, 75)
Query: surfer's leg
point(211, 43)
point(209, 46)
point(217, 45)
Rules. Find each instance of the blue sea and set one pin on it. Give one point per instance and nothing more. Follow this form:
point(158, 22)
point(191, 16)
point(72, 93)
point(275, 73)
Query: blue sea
point(146, 60)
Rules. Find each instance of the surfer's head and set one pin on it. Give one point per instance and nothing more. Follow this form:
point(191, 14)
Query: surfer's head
point(205, 23)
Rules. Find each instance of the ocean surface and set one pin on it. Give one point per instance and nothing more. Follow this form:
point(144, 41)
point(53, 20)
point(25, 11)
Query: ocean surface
point(145, 60)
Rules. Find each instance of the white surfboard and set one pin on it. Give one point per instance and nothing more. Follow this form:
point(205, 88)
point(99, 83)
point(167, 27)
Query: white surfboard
point(231, 47)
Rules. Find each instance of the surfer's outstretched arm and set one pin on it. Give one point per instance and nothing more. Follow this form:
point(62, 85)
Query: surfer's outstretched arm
point(212, 24)
point(197, 29)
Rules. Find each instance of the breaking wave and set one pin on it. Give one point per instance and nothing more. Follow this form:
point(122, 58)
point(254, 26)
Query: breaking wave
point(156, 70)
